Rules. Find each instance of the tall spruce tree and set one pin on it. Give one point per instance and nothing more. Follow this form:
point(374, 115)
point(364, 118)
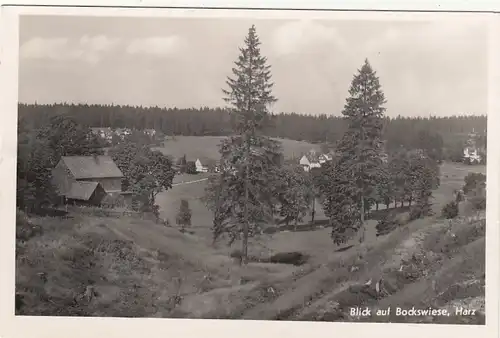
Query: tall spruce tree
point(423, 180)
point(359, 156)
point(242, 197)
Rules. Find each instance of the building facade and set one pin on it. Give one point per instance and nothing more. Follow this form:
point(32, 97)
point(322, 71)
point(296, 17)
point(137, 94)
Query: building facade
point(88, 179)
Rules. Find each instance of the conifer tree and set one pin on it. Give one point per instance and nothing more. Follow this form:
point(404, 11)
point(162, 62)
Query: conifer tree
point(360, 156)
point(242, 197)
point(423, 181)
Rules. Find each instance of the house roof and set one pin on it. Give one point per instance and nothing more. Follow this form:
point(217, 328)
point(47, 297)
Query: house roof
point(206, 160)
point(92, 166)
point(81, 190)
point(312, 157)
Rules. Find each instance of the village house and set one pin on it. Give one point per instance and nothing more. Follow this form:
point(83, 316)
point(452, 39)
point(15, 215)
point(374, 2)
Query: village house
point(88, 179)
point(471, 155)
point(150, 132)
point(205, 165)
point(104, 133)
point(471, 151)
point(310, 160)
point(123, 132)
point(323, 158)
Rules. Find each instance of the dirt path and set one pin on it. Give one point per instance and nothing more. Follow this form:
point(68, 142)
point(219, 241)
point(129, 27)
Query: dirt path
point(189, 182)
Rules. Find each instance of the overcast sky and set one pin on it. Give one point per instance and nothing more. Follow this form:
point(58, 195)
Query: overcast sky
point(424, 67)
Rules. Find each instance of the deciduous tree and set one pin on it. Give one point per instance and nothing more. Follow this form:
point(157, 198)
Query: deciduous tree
point(295, 193)
point(146, 173)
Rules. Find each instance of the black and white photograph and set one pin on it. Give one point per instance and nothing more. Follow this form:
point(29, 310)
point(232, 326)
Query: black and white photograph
point(270, 166)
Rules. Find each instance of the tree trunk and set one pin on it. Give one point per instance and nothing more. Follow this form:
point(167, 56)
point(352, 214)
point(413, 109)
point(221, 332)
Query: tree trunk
point(313, 210)
point(295, 224)
point(246, 224)
point(362, 237)
point(376, 206)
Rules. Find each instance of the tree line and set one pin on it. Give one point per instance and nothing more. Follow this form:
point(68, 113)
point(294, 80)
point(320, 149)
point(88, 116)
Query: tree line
point(450, 132)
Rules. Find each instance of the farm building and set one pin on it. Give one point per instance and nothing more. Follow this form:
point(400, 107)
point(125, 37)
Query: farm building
point(310, 160)
point(150, 132)
point(88, 179)
point(323, 158)
point(205, 165)
point(471, 155)
point(472, 152)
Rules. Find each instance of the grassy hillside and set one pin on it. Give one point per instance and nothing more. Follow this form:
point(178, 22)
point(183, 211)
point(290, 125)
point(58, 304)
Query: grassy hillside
point(208, 146)
point(135, 267)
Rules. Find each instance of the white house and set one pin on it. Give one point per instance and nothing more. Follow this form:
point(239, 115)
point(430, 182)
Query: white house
point(323, 158)
point(309, 162)
point(471, 156)
point(123, 132)
point(150, 132)
point(200, 167)
point(203, 164)
point(471, 153)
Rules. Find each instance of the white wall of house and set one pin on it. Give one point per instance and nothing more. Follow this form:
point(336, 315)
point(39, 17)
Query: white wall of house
point(304, 161)
point(472, 155)
point(200, 167)
point(307, 165)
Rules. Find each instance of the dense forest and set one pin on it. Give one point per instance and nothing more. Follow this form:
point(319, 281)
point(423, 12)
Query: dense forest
point(399, 131)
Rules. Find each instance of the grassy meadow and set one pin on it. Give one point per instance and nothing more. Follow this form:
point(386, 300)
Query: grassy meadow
point(208, 146)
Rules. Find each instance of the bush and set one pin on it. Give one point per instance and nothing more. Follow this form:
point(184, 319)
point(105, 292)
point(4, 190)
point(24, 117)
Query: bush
point(473, 180)
point(459, 196)
point(295, 258)
point(450, 210)
point(25, 230)
point(419, 211)
point(387, 224)
point(113, 201)
point(475, 190)
point(415, 213)
point(237, 255)
point(478, 202)
point(191, 168)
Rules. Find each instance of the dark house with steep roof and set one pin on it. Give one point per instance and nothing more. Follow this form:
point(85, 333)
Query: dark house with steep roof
point(88, 179)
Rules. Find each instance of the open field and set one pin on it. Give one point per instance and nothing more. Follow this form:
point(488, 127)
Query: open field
point(208, 146)
point(139, 268)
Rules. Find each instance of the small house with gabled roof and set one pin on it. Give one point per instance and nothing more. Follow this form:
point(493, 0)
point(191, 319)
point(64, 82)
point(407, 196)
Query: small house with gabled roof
point(310, 160)
point(87, 179)
point(205, 164)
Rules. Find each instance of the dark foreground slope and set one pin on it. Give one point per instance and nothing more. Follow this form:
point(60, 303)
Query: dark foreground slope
point(127, 267)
